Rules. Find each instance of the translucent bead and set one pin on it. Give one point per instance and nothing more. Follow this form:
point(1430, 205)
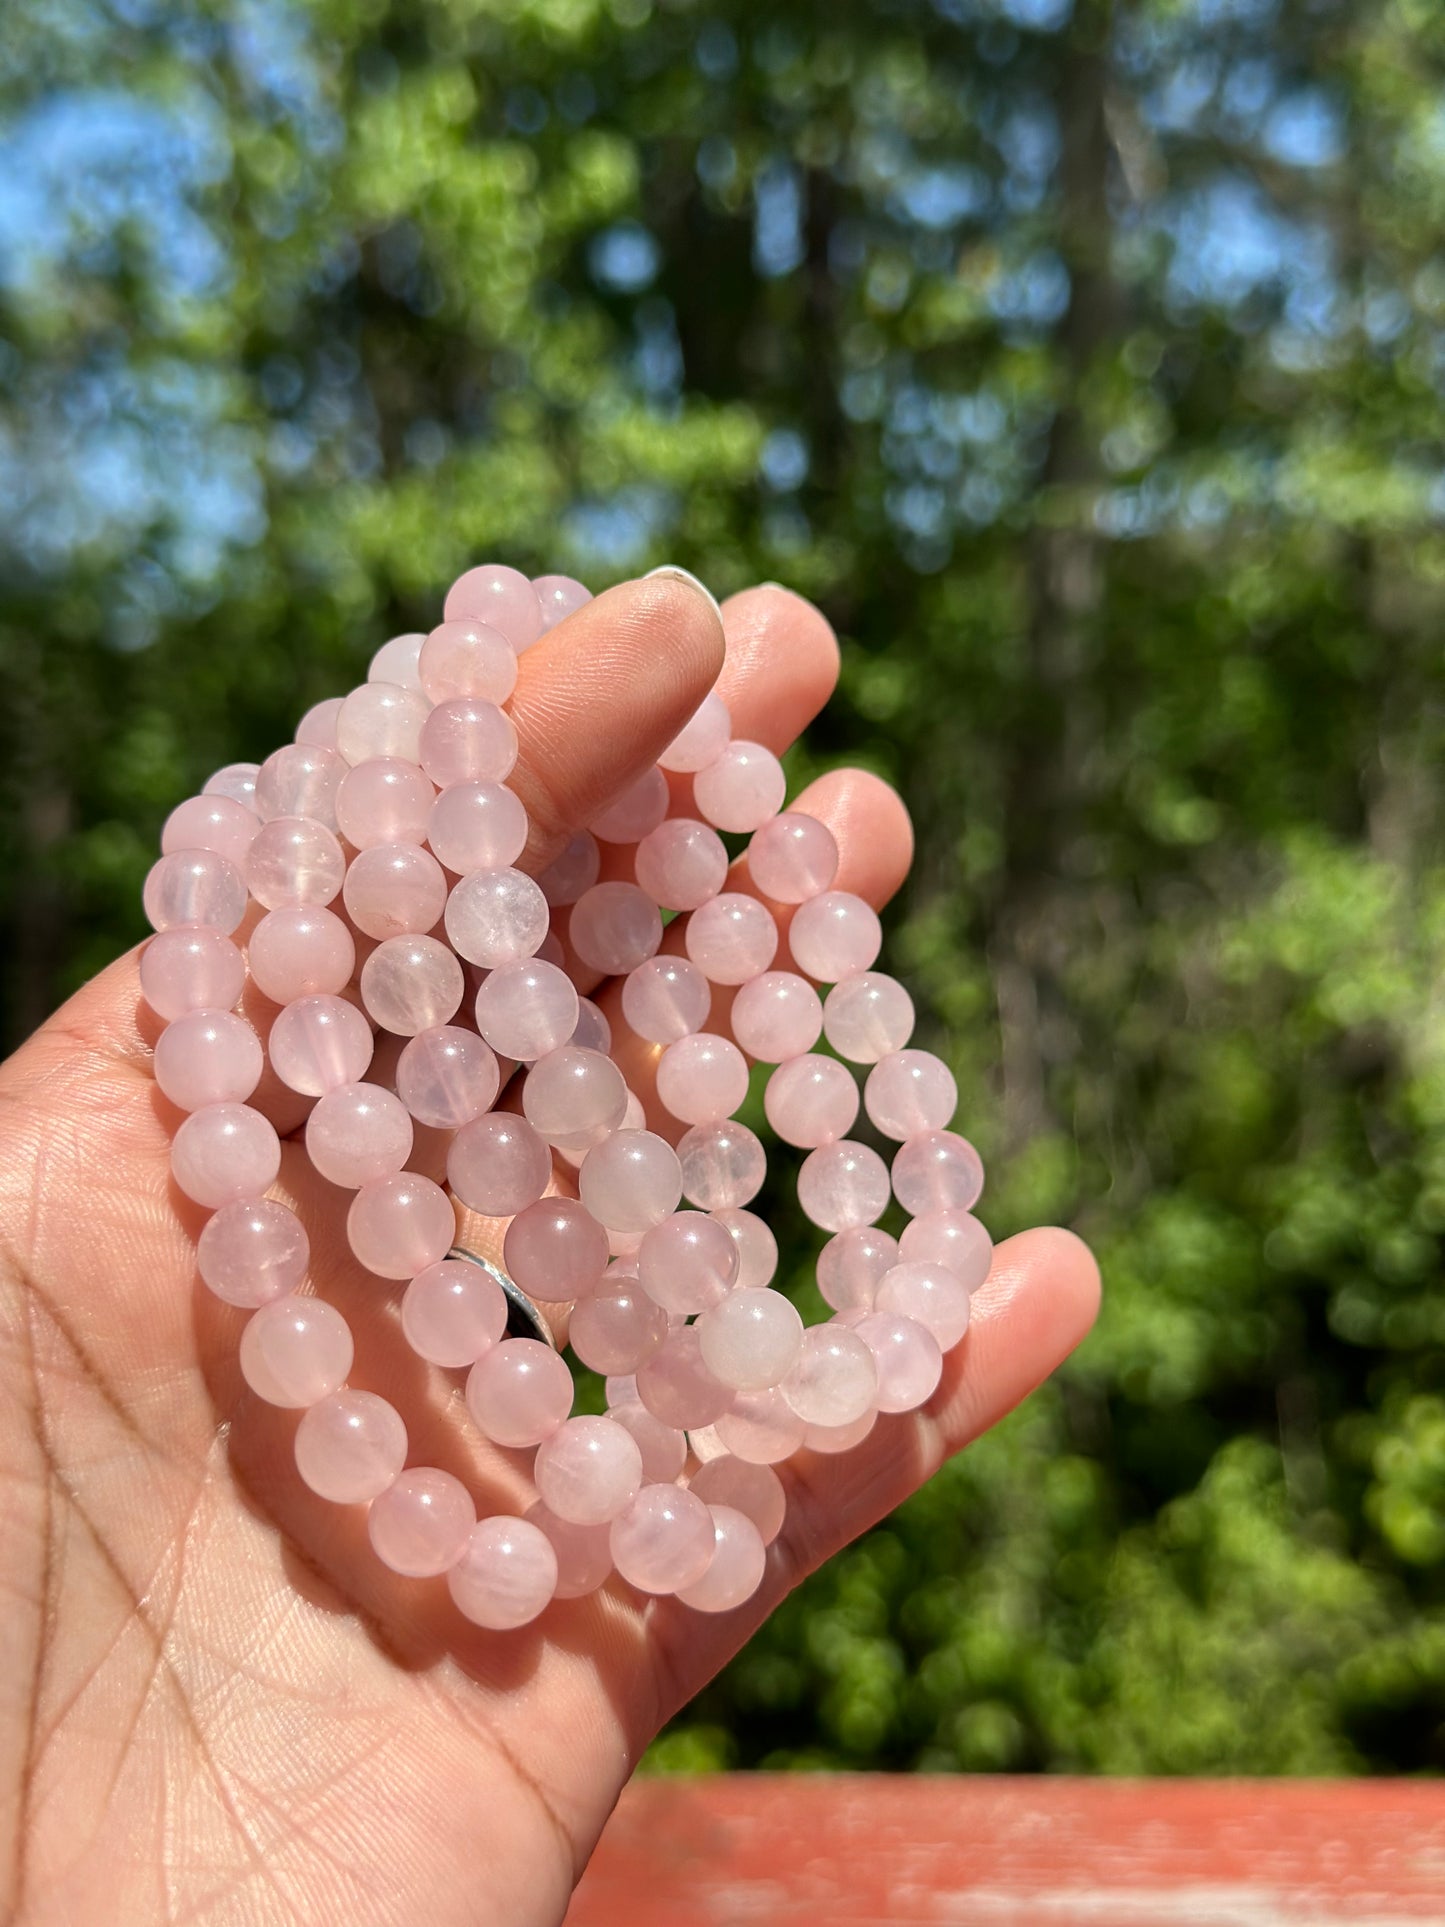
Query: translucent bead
point(931, 1296)
point(614, 927)
point(665, 998)
point(910, 1091)
point(687, 1263)
point(496, 917)
point(842, 1185)
point(701, 740)
point(526, 1009)
point(574, 872)
point(350, 1446)
point(811, 1101)
point(195, 886)
point(411, 984)
point(317, 727)
point(399, 1225)
point(723, 1165)
point(294, 861)
point(208, 1057)
point(751, 1341)
point(593, 1031)
point(731, 939)
point(937, 1171)
point(636, 813)
point(757, 1247)
point(398, 661)
point(421, 1524)
point(777, 1016)
point(466, 741)
point(574, 1095)
point(834, 936)
point(295, 1351)
point(663, 1447)
point(506, 1575)
point(235, 779)
point(676, 1386)
point(792, 858)
point(584, 1553)
point(560, 597)
point(835, 1380)
point(467, 659)
point(358, 1132)
point(736, 1568)
point(190, 968)
point(452, 1312)
point(851, 1265)
point(761, 1428)
point(952, 1238)
point(216, 823)
point(498, 1165)
point(384, 801)
point(252, 1251)
point(618, 1328)
point(300, 781)
point(555, 1250)
point(477, 826)
point(318, 1043)
point(300, 953)
point(908, 1358)
point(588, 1470)
point(741, 789)
point(631, 1182)
point(702, 1079)
point(394, 890)
point(681, 864)
point(381, 719)
point(519, 1392)
point(224, 1153)
point(620, 1387)
point(664, 1541)
point(840, 1438)
point(503, 598)
point(447, 1076)
point(754, 1490)
point(867, 1016)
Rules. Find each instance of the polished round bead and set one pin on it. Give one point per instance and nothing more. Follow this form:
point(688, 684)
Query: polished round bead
point(574, 872)
point(736, 1569)
point(519, 1392)
point(477, 826)
point(467, 659)
point(675, 1384)
point(526, 1009)
point(411, 984)
point(584, 1553)
point(398, 661)
point(588, 1470)
point(399, 1225)
point(682, 864)
point(294, 861)
point(777, 1016)
point(751, 1341)
point(741, 788)
point(496, 917)
point(618, 1328)
point(909, 1360)
point(840, 1438)
point(663, 1447)
point(295, 1351)
point(381, 719)
point(318, 1043)
point(631, 1182)
point(421, 1524)
point(574, 1096)
point(593, 1031)
point(834, 936)
point(701, 740)
point(952, 1238)
point(216, 823)
point(300, 780)
point(394, 890)
point(503, 598)
point(664, 1541)
point(810, 1101)
point(447, 1076)
point(190, 968)
point(252, 1251)
point(207, 1057)
point(731, 939)
point(467, 741)
point(687, 1263)
point(224, 1153)
point(350, 1446)
point(506, 1576)
point(792, 858)
point(555, 1250)
point(723, 1165)
point(384, 801)
point(358, 1132)
point(636, 812)
point(842, 1185)
point(235, 779)
point(910, 1091)
point(937, 1171)
point(835, 1380)
point(754, 1490)
point(867, 1016)
point(614, 927)
point(317, 727)
point(665, 998)
point(851, 1264)
point(301, 953)
point(702, 1079)
point(560, 596)
point(452, 1312)
point(498, 1165)
point(756, 1246)
point(761, 1428)
point(195, 886)
point(931, 1296)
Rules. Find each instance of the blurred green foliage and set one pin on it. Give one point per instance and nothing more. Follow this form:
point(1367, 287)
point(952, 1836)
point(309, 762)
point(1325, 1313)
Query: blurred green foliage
point(1085, 363)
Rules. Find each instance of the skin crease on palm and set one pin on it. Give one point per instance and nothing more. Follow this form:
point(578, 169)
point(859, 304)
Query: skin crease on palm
point(215, 1704)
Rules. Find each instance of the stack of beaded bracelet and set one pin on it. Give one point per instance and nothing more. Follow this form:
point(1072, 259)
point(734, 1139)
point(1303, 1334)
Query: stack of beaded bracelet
point(394, 799)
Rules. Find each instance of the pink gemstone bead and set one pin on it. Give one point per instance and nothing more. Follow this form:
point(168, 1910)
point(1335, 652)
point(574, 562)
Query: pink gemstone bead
point(477, 826)
point(295, 1351)
point(447, 1076)
point(723, 1165)
point(208, 1057)
point(399, 1225)
point(560, 597)
point(741, 789)
point(614, 927)
point(756, 1246)
point(754, 1490)
point(467, 741)
point(358, 1132)
point(216, 823)
point(519, 1392)
point(195, 886)
point(737, 1566)
point(663, 1447)
point(681, 864)
point(840, 1438)
point(931, 1296)
point(237, 780)
point(952, 1238)
point(503, 598)
point(317, 727)
point(453, 1312)
point(300, 780)
point(506, 1575)
point(498, 1165)
point(350, 1446)
point(584, 1553)
point(701, 740)
point(398, 661)
point(666, 998)
point(617, 1328)
point(394, 890)
point(467, 659)
point(636, 813)
point(526, 1009)
point(731, 939)
point(381, 719)
point(411, 984)
point(751, 1341)
point(318, 1043)
point(811, 1101)
point(867, 1016)
point(908, 1357)
point(834, 936)
point(835, 1380)
point(851, 1265)
point(687, 1263)
point(761, 1428)
point(253, 1251)
point(702, 1079)
point(777, 1016)
point(496, 917)
point(294, 861)
point(556, 1251)
point(421, 1524)
point(588, 1470)
point(631, 1182)
point(224, 1153)
point(574, 1095)
point(792, 858)
point(937, 1171)
point(676, 1386)
point(384, 801)
point(190, 968)
point(574, 872)
point(910, 1091)
point(593, 1031)
point(300, 953)
point(664, 1541)
point(843, 1185)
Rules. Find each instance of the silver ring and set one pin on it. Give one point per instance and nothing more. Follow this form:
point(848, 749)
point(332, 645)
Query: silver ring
point(523, 1318)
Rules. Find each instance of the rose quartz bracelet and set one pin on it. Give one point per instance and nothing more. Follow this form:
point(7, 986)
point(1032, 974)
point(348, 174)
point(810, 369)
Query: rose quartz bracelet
point(394, 800)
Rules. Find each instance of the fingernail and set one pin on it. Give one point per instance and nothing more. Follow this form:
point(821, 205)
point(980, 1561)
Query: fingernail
point(685, 575)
